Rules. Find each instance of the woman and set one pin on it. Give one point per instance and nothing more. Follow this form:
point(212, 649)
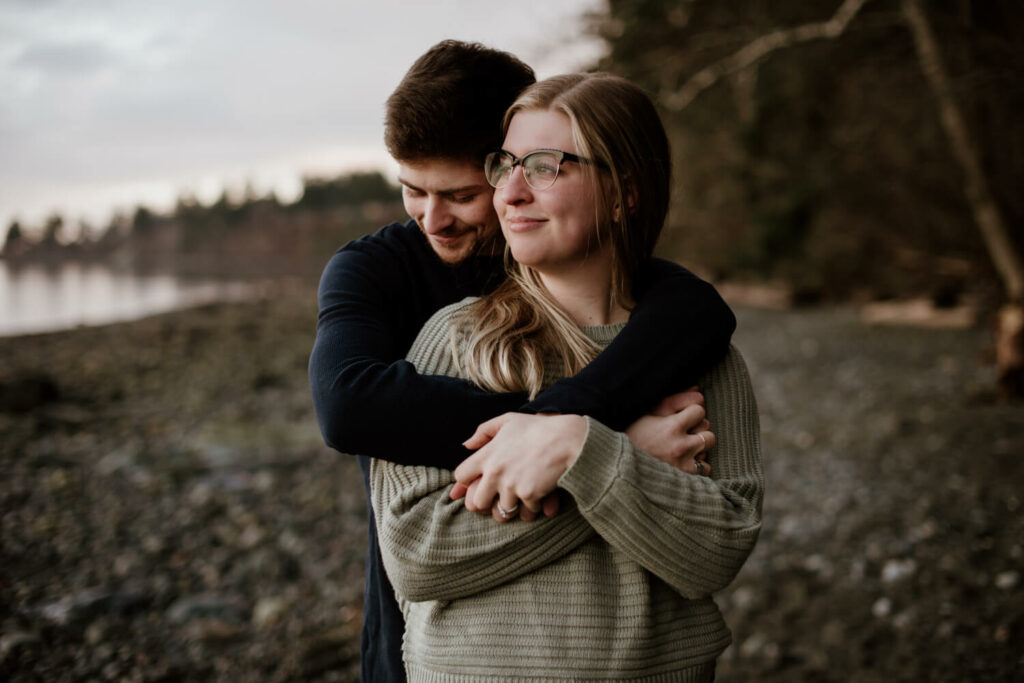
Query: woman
point(618, 584)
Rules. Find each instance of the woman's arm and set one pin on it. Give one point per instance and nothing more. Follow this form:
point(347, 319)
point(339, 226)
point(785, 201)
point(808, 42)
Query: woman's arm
point(435, 549)
point(693, 532)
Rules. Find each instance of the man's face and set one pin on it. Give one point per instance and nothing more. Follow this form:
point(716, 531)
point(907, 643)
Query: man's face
point(451, 202)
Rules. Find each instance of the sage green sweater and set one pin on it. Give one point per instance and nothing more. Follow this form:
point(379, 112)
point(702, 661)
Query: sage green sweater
point(617, 586)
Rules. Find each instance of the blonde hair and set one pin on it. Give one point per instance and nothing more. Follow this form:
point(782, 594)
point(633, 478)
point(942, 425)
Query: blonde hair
point(510, 335)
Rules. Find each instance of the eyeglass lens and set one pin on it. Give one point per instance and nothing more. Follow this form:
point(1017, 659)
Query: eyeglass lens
point(540, 168)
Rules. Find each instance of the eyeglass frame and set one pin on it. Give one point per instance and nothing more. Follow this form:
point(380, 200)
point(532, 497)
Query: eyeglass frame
point(518, 161)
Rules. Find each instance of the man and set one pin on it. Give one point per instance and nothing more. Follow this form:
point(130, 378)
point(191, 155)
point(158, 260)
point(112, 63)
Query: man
point(377, 292)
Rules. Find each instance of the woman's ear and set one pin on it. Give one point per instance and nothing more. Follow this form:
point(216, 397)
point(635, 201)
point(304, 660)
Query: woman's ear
point(631, 194)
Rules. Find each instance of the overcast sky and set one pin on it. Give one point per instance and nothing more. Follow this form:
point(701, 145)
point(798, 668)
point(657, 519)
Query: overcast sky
point(105, 104)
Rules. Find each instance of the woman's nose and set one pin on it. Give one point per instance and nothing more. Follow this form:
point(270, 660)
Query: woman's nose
point(516, 190)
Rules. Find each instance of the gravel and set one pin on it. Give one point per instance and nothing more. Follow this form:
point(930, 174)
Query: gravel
point(169, 512)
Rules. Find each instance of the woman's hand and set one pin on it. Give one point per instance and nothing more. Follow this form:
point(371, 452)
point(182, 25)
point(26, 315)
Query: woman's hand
point(677, 432)
point(518, 460)
point(549, 506)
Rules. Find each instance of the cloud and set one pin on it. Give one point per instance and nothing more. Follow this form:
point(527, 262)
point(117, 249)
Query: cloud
point(68, 59)
point(110, 91)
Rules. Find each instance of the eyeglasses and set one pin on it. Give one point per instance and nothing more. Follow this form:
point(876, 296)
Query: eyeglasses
point(540, 167)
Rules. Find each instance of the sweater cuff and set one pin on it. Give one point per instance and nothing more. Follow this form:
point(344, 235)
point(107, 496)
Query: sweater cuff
point(596, 467)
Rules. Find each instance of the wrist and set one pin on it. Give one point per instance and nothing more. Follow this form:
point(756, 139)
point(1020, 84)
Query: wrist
point(574, 435)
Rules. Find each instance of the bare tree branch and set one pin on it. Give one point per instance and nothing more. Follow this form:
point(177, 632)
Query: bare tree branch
point(758, 49)
point(986, 212)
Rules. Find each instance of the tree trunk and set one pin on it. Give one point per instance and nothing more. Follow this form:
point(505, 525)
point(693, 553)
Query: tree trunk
point(987, 215)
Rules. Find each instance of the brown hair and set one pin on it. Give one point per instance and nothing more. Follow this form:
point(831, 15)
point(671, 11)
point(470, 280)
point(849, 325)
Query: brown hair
point(450, 103)
point(515, 328)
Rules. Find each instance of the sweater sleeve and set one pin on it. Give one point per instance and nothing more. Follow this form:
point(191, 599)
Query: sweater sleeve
point(435, 549)
point(694, 532)
point(368, 399)
point(678, 331)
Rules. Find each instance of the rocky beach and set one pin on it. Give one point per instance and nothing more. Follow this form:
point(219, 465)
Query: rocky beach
point(169, 512)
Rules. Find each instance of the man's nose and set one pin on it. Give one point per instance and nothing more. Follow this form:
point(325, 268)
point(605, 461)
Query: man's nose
point(436, 216)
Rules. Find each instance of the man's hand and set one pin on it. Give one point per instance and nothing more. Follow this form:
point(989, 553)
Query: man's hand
point(677, 432)
point(517, 463)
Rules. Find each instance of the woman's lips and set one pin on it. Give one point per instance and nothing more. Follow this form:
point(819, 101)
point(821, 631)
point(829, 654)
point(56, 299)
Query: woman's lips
point(523, 223)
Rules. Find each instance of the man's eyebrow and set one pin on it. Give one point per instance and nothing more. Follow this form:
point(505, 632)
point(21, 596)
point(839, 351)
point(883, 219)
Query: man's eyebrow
point(405, 182)
point(476, 187)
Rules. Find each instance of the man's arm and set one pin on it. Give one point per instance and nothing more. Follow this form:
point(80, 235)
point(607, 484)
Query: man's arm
point(678, 331)
point(374, 296)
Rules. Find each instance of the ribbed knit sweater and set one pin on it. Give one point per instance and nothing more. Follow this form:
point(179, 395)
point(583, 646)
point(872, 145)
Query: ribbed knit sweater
point(616, 586)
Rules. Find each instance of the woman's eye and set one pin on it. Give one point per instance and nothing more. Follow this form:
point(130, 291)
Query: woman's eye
point(544, 169)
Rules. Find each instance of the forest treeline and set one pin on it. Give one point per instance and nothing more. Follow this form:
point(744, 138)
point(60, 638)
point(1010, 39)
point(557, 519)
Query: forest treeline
point(810, 149)
point(814, 152)
point(248, 235)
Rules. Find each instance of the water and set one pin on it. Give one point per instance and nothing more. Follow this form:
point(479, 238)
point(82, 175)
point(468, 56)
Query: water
point(42, 299)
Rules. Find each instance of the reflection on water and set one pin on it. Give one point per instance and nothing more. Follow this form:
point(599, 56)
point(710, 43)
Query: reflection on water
point(39, 299)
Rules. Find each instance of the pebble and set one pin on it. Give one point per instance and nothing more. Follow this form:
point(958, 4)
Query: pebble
point(1007, 580)
point(818, 564)
point(833, 633)
point(759, 645)
point(268, 611)
point(744, 598)
point(9, 642)
point(897, 570)
point(114, 461)
point(88, 604)
point(326, 651)
point(882, 608)
point(206, 606)
point(212, 630)
point(904, 620)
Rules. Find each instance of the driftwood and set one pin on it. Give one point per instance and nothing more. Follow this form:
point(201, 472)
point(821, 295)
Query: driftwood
point(919, 313)
point(1009, 348)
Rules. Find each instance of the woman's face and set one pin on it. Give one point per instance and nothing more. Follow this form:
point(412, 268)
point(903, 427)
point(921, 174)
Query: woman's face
point(554, 228)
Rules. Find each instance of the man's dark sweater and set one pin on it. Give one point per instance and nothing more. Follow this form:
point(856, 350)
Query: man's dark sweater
point(375, 295)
